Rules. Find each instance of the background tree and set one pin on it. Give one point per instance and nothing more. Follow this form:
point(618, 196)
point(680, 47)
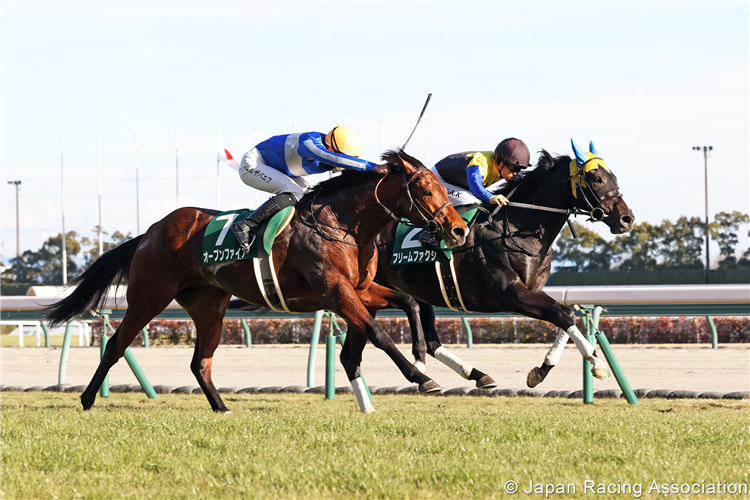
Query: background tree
point(641, 245)
point(681, 243)
point(45, 265)
point(93, 253)
point(724, 231)
point(589, 252)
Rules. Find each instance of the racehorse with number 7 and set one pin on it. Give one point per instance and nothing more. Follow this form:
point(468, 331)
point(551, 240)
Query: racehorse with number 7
point(324, 259)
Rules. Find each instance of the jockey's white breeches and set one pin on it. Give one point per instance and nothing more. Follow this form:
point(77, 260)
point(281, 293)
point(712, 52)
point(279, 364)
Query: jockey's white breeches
point(456, 194)
point(255, 173)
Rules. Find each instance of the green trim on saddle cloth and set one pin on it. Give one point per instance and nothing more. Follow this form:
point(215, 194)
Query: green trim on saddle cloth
point(220, 243)
point(407, 249)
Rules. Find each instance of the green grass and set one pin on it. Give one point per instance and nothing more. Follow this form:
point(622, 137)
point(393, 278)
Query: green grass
point(301, 446)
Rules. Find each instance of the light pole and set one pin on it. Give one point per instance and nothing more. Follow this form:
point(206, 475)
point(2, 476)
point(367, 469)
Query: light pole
point(64, 240)
point(18, 231)
point(705, 150)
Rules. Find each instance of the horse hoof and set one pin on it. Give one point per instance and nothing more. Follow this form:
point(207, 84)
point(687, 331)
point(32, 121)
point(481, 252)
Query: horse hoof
point(600, 373)
point(428, 387)
point(535, 377)
point(486, 382)
point(87, 405)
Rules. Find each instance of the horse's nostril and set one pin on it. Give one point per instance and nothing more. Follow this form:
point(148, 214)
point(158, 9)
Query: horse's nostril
point(459, 232)
point(627, 219)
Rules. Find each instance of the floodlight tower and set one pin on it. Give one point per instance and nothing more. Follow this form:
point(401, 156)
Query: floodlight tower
point(705, 150)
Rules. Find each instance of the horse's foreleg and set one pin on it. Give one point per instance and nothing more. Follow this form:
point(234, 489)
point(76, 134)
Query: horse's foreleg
point(541, 306)
point(348, 304)
point(436, 350)
point(206, 306)
point(351, 359)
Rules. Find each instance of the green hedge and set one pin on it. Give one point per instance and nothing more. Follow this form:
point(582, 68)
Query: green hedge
point(656, 277)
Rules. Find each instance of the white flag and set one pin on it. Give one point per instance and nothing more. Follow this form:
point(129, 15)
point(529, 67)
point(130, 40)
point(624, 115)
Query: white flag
point(225, 155)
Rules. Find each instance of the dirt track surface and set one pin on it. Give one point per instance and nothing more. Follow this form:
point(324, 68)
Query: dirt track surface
point(688, 367)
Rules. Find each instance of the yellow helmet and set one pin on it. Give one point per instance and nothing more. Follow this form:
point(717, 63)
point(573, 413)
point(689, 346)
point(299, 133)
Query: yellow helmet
point(344, 140)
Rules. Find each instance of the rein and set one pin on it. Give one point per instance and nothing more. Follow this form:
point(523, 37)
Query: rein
point(596, 213)
point(430, 225)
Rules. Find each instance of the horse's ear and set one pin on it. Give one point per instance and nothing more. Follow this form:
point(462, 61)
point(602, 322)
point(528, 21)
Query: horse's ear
point(408, 167)
point(592, 149)
point(545, 160)
point(580, 155)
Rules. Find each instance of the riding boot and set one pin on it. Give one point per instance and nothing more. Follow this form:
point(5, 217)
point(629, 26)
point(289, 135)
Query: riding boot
point(244, 230)
point(429, 240)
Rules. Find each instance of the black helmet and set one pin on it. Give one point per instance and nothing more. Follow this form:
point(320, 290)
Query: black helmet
point(514, 153)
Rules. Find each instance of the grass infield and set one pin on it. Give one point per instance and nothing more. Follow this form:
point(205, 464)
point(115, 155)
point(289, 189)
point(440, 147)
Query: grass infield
point(301, 446)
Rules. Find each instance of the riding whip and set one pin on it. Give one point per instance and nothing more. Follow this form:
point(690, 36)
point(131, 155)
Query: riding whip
point(429, 96)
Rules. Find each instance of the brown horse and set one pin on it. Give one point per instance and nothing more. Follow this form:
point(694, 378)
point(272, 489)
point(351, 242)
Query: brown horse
point(324, 259)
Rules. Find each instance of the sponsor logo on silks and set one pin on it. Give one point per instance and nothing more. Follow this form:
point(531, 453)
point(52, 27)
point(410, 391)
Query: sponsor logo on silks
point(582, 164)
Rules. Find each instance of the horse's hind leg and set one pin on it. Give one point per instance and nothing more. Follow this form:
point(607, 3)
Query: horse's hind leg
point(436, 350)
point(206, 305)
point(135, 319)
point(410, 306)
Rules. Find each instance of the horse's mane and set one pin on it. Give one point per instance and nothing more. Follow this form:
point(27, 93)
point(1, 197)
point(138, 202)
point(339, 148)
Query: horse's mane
point(394, 158)
point(530, 179)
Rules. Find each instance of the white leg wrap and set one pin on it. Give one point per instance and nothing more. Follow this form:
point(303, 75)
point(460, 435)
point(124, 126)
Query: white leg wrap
point(453, 362)
point(585, 347)
point(554, 353)
point(421, 367)
point(362, 398)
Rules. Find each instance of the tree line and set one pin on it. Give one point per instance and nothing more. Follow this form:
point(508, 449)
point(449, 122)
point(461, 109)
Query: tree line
point(673, 245)
point(44, 266)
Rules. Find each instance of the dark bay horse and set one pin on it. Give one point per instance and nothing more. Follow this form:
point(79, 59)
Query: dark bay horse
point(324, 259)
point(504, 264)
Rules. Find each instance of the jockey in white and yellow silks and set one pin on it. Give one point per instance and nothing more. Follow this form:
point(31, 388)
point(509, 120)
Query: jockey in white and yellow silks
point(467, 175)
point(278, 165)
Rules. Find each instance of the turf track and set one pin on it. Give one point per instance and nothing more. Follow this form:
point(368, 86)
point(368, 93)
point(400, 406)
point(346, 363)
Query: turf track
point(301, 446)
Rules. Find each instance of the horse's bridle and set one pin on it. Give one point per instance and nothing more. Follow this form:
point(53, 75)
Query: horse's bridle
point(430, 225)
point(596, 213)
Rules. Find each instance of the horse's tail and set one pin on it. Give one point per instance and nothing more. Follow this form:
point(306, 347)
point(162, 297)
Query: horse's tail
point(92, 287)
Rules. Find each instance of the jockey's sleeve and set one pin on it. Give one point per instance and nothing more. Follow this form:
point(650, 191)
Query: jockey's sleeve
point(313, 149)
point(476, 179)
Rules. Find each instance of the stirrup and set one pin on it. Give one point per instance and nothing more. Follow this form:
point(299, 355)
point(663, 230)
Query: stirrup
point(245, 234)
point(429, 240)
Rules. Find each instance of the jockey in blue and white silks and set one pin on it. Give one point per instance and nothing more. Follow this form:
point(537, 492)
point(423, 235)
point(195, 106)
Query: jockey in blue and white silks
point(278, 165)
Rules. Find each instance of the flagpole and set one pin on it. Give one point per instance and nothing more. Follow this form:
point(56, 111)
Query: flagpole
point(64, 241)
point(217, 169)
point(99, 178)
point(177, 169)
point(137, 200)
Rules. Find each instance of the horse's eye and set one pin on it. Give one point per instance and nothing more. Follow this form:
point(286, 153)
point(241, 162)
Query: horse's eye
point(427, 192)
point(598, 179)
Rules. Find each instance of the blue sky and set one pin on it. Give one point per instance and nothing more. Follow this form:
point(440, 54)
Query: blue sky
point(644, 81)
